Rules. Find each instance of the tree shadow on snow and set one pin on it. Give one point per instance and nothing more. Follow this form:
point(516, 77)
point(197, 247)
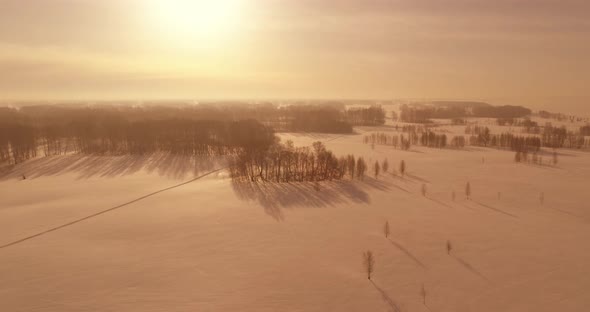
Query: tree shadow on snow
point(496, 209)
point(469, 267)
point(393, 306)
point(408, 253)
point(276, 196)
point(87, 166)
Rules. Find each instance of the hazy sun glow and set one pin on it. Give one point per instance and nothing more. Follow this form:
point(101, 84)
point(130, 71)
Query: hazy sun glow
point(196, 19)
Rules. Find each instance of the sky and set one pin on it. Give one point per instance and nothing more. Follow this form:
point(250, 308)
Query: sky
point(534, 52)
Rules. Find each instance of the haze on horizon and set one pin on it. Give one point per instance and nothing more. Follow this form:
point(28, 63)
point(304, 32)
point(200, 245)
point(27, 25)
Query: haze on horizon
point(514, 51)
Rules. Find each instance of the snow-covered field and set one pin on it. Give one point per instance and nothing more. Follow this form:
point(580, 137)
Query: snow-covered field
point(216, 245)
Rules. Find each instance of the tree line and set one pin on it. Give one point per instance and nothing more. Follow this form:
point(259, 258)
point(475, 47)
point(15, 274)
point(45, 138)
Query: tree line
point(397, 141)
point(506, 141)
point(424, 113)
point(115, 132)
point(287, 163)
point(425, 138)
point(329, 119)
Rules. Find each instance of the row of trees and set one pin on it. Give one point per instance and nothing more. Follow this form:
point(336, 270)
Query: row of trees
point(428, 139)
point(286, 163)
point(553, 137)
point(481, 136)
point(507, 141)
point(535, 158)
point(559, 137)
point(402, 142)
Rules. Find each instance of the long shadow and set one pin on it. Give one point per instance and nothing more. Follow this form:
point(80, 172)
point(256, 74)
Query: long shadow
point(105, 211)
point(408, 253)
point(473, 149)
point(393, 306)
point(543, 166)
point(396, 176)
point(173, 166)
point(335, 138)
point(496, 210)
point(470, 208)
point(470, 268)
point(377, 184)
point(414, 177)
point(401, 188)
point(569, 213)
point(439, 202)
point(276, 196)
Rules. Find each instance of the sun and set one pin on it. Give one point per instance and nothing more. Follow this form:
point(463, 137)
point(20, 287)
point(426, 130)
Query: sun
point(194, 19)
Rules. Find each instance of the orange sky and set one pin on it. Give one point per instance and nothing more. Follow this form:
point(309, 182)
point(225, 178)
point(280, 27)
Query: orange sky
point(131, 49)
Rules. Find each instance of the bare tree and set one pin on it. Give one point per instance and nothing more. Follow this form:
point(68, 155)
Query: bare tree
point(361, 168)
point(385, 166)
point(351, 165)
point(402, 168)
point(386, 229)
point(423, 294)
point(377, 169)
point(449, 247)
point(368, 263)
point(468, 190)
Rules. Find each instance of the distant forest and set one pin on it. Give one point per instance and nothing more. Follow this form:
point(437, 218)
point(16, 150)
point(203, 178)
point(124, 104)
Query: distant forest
point(187, 130)
point(422, 113)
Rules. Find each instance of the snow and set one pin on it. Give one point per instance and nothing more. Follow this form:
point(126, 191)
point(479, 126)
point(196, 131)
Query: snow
point(218, 245)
